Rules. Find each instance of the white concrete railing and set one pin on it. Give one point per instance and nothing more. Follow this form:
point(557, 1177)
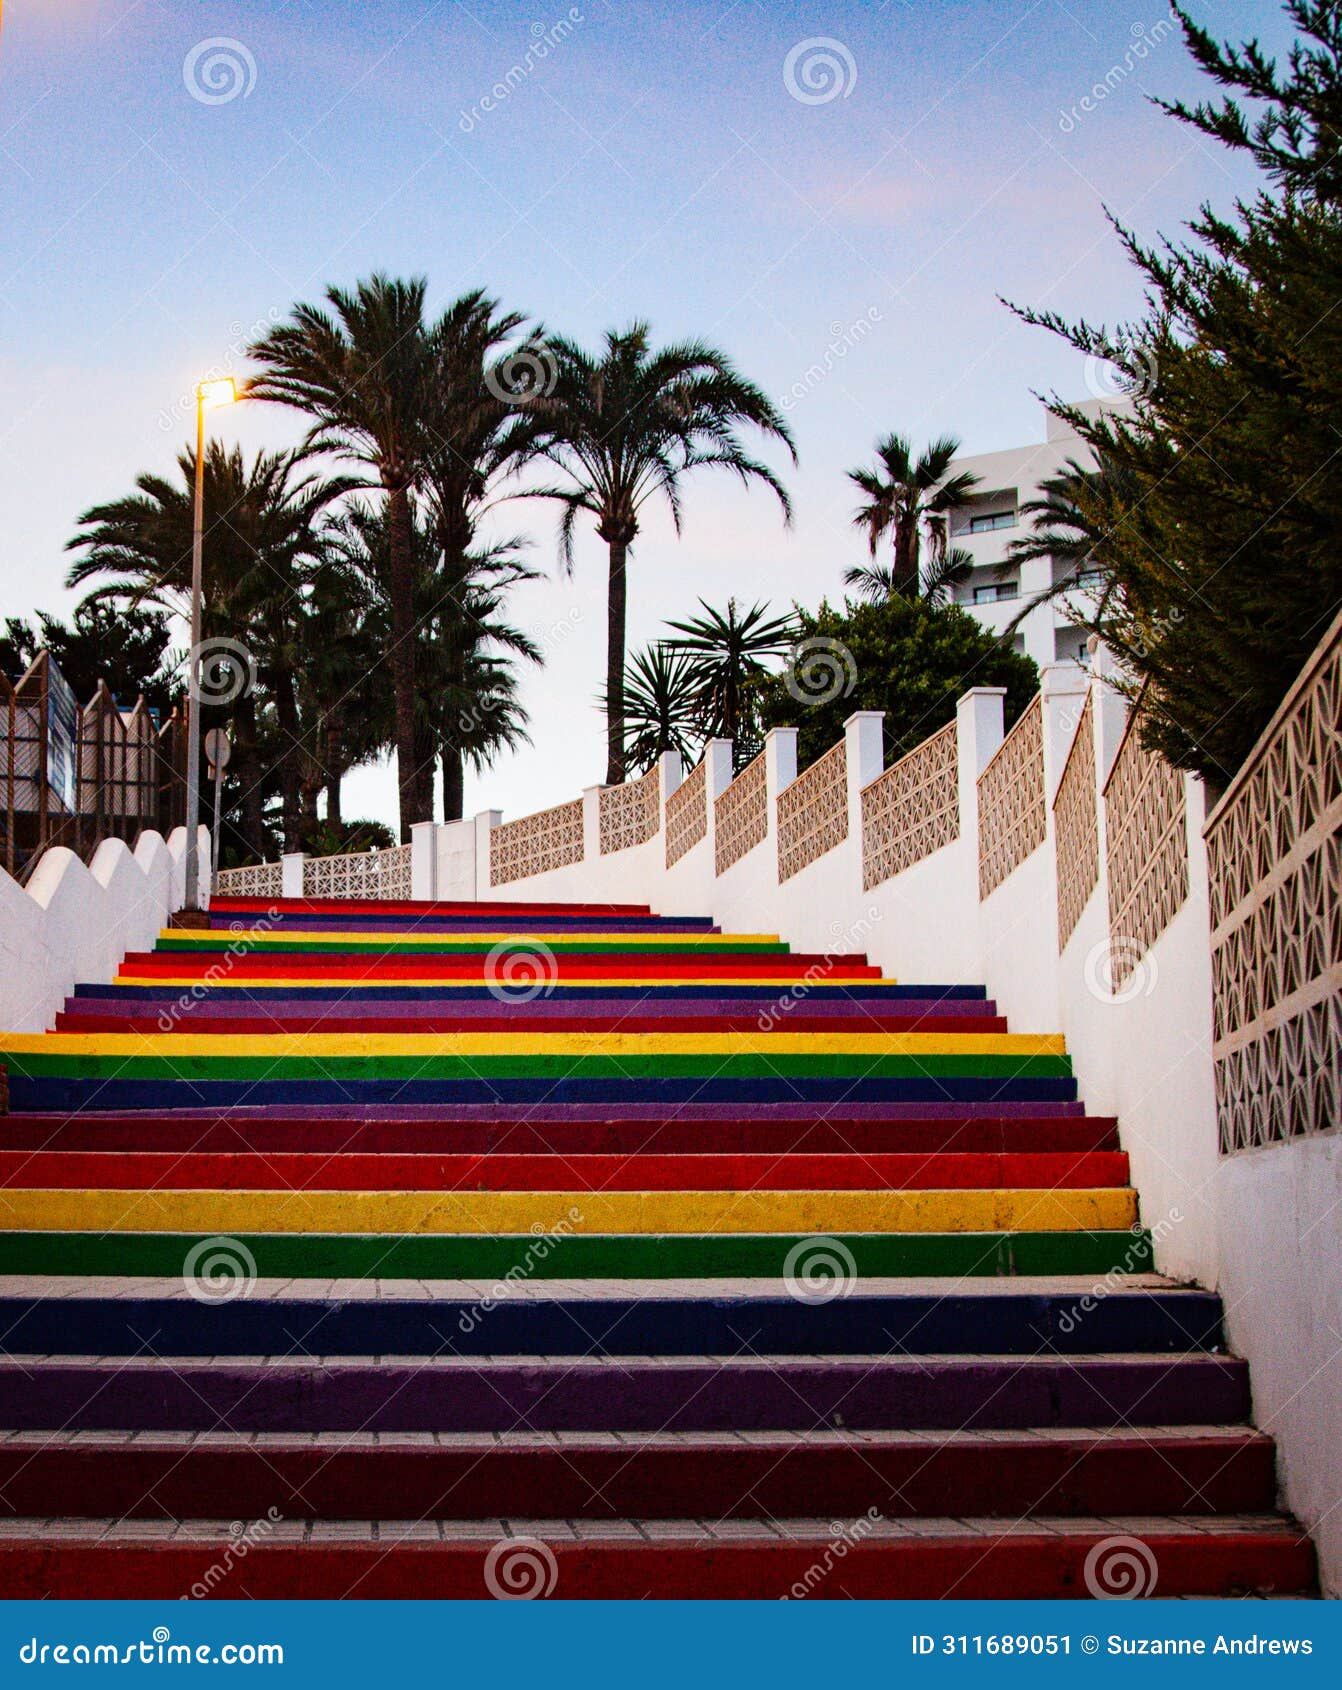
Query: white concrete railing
point(74, 923)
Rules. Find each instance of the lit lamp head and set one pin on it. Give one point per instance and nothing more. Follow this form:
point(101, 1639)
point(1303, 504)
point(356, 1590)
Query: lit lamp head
point(212, 394)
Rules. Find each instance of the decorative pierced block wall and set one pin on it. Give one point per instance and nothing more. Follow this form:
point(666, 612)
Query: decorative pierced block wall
point(1274, 858)
point(535, 844)
point(912, 809)
point(741, 816)
point(687, 814)
point(1013, 820)
point(813, 812)
point(257, 880)
point(1076, 826)
point(1146, 850)
point(630, 814)
point(359, 874)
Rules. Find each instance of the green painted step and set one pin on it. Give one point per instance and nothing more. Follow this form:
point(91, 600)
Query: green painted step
point(748, 1066)
point(582, 1256)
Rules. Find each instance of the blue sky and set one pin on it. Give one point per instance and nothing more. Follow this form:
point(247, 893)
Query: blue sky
point(644, 161)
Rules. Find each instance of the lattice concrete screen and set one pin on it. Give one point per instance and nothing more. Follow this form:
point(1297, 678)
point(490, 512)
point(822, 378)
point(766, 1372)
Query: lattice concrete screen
point(257, 880)
point(1076, 826)
point(534, 844)
point(630, 814)
point(1013, 820)
point(687, 814)
point(813, 812)
point(1146, 837)
point(741, 816)
point(366, 874)
point(912, 809)
point(1274, 858)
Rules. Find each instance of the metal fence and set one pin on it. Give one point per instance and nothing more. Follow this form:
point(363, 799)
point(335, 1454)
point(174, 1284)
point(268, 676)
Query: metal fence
point(74, 776)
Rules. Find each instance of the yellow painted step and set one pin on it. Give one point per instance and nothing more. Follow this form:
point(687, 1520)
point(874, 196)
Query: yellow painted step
point(328, 1045)
point(516, 1212)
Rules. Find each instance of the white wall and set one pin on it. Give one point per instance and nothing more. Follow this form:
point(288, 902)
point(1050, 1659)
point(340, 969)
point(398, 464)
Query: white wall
point(74, 923)
point(1282, 1286)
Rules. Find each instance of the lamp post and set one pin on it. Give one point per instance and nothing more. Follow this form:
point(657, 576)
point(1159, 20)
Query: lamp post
point(209, 395)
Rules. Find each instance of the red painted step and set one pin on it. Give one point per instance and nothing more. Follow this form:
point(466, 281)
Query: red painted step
point(520, 1022)
point(67, 1170)
point(594, 1477)
point(886, 1561)
point(759, 1135)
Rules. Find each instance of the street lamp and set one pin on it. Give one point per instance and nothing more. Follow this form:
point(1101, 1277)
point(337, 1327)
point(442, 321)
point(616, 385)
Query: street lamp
point(209, 396)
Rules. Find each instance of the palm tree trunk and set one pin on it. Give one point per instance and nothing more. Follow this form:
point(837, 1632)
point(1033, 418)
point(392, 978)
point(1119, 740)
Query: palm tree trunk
point(251, 798)
point(907, 560)
point(401, 545)
point(291, 777)
point(615, 620)
point(334, 766)
point(454, 784)
point(424, 774)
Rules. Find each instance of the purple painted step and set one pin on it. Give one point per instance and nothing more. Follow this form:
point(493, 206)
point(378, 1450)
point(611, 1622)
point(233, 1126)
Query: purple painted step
point(494, 1113)
point(130, 1002)
point(695, 1394)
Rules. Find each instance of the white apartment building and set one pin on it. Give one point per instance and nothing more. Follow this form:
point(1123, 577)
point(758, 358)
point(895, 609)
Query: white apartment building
point(998, 589)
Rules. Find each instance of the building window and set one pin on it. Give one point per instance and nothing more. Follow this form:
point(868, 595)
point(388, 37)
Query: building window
point(998, 591)
point(986, 524)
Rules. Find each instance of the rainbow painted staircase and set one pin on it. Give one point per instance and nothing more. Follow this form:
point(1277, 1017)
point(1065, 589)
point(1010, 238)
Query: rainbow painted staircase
point(387, 1250)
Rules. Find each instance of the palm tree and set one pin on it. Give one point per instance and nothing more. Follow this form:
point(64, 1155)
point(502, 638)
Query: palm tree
point(661, 707)
point(625, 426)
point(262, 541)
point(467, 707)
point(875, 582)
point(365, 372)
point(727, 652)
point(905, 498)
point(473, 439)
point(476, 712)
point(1073, 520)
